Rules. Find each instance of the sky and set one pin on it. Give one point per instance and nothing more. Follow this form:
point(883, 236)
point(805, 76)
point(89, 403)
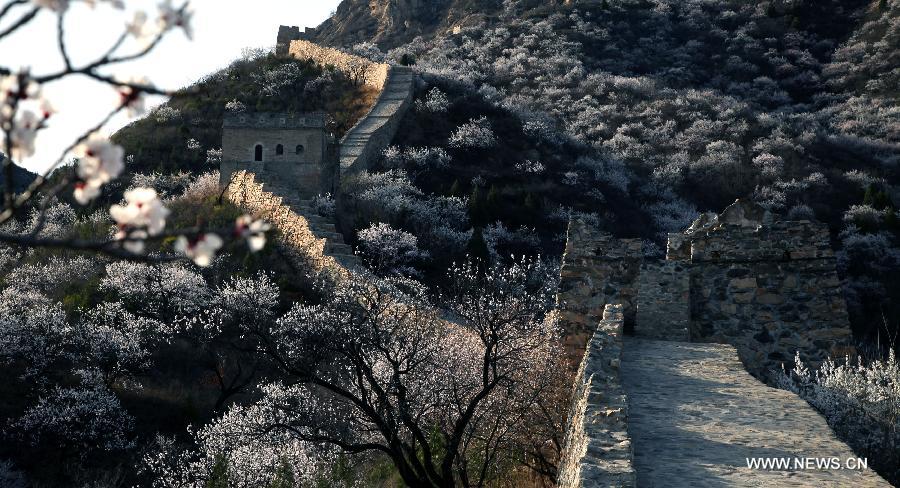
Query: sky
point(222, 29)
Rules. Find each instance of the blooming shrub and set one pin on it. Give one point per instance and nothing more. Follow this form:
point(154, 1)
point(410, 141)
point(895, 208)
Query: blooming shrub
point(861, 401)
point(435, 102)
point(389, 250)
point(475, 133)
point(87, 416)
point(323, 205)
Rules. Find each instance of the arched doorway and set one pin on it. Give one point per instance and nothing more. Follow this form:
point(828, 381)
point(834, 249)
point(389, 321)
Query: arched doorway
point(257, 154)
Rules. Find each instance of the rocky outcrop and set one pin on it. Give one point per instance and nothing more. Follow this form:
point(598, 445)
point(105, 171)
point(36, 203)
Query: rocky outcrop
point(391, 23)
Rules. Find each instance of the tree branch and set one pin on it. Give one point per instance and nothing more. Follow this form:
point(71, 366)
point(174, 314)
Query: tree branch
point(19, 23)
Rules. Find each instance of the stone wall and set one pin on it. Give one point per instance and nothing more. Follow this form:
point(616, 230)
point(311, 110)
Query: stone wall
point(597, 270)
point(598, 451)
point(310, 170)
point(304, 250)
point(768, 289)
point(364, 142)
point(663, 304)
point(357, 68)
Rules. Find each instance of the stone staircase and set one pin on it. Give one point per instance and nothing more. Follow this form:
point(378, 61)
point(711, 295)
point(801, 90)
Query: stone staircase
point(365, 140)
point(323, 227)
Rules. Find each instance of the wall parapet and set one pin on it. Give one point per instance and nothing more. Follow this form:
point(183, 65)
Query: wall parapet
point(597, 448)
point(302, 247)
point(371, 134)
point(357, 68)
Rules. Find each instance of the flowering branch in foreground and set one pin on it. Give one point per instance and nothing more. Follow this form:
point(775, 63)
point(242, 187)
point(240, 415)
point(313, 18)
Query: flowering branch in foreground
point(24, 112)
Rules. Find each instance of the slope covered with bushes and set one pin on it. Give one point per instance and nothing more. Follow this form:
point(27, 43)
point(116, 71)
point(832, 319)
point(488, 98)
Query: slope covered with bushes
point(185, 133)
point(664, 109)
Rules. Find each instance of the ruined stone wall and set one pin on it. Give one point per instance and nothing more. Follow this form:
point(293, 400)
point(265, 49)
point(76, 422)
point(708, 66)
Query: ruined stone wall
point(598, 450)
point(597, 270)
point(357, 68)
point(663, 303)
point(769, 291)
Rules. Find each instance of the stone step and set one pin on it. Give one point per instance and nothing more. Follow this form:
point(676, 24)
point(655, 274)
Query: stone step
point(322, 227)
point(332, 248)
point(349, 261)
point(335, 237)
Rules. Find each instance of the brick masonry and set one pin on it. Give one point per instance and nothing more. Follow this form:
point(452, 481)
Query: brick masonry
point(306, 161)
point(663, 304)
point(311, 163)
point(769, 288)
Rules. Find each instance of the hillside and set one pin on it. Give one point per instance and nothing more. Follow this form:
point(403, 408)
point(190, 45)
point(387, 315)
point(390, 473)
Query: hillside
point(394, 22)
point(179, 135)
point(660, 110)
point(21, 177)
point(488, 282)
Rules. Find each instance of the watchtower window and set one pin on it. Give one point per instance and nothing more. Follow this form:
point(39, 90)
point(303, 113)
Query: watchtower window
point(257, 155)
point(279, 150)
point(299, 148)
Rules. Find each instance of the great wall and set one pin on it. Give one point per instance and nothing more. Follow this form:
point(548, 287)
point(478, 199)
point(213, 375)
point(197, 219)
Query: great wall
point(663, 394)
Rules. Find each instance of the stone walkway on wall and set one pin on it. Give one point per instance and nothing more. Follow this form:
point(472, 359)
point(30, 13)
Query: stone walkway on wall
point(365, 140)
point(695, 415)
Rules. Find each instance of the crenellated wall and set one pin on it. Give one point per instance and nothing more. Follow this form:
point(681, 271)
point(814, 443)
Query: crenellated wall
point(305, 250)
point(768, 288)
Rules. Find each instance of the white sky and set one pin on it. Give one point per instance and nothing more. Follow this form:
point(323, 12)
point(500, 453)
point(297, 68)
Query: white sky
point(222, 28)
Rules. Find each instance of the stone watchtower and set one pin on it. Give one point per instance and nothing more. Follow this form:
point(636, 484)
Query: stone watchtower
point(287, 150)
point(288, 33)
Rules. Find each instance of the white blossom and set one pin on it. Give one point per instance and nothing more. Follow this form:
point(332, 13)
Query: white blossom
point(23, 134)
point(171, 17)
point(476, 133)
point(99, 162)
point(84, 416)
point(389, 250)
point(143, 210)
point(133, 99)
point(138, 27)
point(253, 230)
point(202, 249)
